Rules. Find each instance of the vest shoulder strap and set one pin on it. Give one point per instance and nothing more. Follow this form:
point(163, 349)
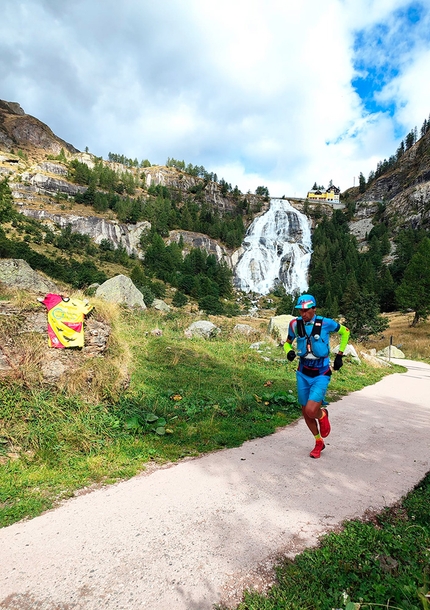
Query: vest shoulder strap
point(316, 329)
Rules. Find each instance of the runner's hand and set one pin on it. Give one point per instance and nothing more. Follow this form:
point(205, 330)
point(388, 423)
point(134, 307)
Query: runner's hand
point(338, 362)
point(291, 355)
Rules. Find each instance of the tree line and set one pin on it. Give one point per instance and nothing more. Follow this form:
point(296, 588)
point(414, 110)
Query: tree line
point(360, 285)
point(387, 164)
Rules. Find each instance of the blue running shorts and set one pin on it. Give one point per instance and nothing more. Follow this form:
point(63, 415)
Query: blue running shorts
point(311, 388)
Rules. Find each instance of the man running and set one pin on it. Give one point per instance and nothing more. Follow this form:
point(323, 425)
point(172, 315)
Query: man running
point(312, 335)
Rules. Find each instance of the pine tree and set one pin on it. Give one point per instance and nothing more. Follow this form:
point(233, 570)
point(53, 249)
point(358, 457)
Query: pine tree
point(414, 290)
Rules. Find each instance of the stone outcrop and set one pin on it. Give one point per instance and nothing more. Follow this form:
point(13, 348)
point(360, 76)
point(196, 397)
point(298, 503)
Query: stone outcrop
point(203, 329)
point(55, 362)
point(17, 273)
point(245, 330)
point(120, 289)
point(402, 194)
point(99, 229)
point(20, 130)
point(199, 240)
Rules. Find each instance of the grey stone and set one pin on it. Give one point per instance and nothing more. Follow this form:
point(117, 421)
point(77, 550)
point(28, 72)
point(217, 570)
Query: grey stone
point(391, 351)
point(349, 351)
point(160, 305)
point(374, 360)
point(202, 328)
point(120, 289)
point(99, 229)
point(278, 325)
point(17, 273)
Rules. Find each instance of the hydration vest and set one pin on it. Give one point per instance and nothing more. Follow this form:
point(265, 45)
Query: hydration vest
point(314, 343)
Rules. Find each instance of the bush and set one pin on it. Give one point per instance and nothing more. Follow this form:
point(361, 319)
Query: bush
point(179, 299)
point(211, 305)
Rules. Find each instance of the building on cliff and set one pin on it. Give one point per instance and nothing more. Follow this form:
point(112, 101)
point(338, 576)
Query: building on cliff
point(331, 195)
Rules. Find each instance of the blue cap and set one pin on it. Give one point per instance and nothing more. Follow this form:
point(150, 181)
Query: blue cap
point(306, 301)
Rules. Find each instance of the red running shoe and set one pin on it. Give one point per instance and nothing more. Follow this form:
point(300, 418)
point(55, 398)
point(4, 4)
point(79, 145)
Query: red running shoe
point(316, 451)
point(324, 424)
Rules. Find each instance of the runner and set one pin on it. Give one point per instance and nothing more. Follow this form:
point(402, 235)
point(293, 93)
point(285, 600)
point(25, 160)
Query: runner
point(312, 335)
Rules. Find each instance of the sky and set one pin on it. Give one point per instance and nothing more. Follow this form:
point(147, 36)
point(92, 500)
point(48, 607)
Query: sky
point(262, 92)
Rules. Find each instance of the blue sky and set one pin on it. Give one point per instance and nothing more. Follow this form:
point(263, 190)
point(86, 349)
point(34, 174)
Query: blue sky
point(263, 93)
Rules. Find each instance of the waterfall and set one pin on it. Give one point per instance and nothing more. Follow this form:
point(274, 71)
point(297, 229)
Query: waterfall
point(277, 250)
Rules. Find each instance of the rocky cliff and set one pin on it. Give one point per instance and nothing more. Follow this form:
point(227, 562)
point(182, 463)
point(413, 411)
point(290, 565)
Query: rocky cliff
point(402, 194)
point(23, 132)
point(37, 163)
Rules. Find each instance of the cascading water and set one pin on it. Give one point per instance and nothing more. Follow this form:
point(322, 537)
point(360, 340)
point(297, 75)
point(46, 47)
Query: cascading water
point(277, 250)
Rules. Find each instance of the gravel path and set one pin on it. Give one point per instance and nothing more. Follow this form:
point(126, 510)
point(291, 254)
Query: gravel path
point(190, 535)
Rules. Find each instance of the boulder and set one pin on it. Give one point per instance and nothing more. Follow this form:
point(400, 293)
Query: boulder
point(17, 273)
point(160, 305)
point(278, 326)
point(391, 351)
point(374, 360)
point(202, 328)
point(349, 351)
point(120, 289)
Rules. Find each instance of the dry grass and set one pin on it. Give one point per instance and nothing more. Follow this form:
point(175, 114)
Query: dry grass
point(413, 341)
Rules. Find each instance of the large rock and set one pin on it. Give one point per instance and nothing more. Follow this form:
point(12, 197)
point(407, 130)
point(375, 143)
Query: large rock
point(202, 328)
point(17, 273)
point(160, 305)
point(120, 289)
point(278, 326)
point(374, 360)
point(391, 351)
point(349, 351)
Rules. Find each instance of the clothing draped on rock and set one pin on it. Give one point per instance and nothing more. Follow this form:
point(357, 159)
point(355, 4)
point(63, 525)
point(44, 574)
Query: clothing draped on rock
point(65, 320)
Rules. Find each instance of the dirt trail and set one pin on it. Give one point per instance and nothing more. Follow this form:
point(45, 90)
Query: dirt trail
point(190, 535)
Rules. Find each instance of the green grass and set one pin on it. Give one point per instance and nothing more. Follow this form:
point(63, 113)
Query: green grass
point(381, 563)
point(185, 397)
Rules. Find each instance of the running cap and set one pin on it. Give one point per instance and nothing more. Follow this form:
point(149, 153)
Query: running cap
point(306, 301)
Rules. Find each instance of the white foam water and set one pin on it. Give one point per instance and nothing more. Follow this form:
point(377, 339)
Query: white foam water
point(277, 250)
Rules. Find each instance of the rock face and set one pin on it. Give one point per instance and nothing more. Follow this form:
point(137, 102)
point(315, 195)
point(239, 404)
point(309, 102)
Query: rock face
point(402, 193)
point(199, 240)
point(118, 234)
point(17, 273)
point(209, 192)
point(27, 133)
point(120, 289)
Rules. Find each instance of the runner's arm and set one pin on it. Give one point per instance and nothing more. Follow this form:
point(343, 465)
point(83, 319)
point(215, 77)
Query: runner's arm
point(344, 333)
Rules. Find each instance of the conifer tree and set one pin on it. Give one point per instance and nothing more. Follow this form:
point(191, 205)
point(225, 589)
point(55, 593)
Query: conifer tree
point(414, 290)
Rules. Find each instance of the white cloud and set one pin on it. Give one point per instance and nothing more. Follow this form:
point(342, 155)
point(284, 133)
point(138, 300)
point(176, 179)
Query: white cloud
point(259, 92)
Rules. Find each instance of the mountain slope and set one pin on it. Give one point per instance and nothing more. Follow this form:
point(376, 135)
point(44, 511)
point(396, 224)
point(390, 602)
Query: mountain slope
point(21, 131)
point(401, 195)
